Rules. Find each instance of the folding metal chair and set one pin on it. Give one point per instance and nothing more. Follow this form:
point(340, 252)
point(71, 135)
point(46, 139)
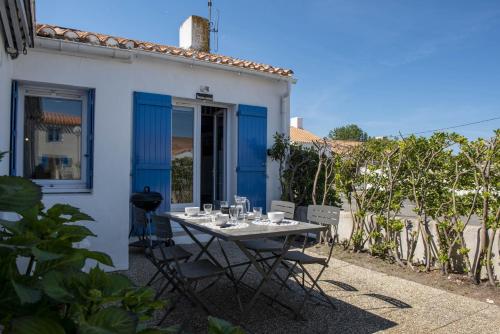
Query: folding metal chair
point(287, 207)
point(185, 276)
point(260, 246)
point(268, 245)
point(164, 237)
point(294, 259)
point(325, 215)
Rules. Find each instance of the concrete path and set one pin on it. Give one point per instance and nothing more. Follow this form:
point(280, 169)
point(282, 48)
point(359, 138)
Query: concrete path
point(366, 301)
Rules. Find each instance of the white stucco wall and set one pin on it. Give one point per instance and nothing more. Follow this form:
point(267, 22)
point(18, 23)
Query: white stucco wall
point(115, 81)
point(5, 74)
point(471, 237)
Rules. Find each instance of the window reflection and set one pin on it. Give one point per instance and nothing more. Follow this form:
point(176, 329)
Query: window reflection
point(52, 138)
point(182, 155)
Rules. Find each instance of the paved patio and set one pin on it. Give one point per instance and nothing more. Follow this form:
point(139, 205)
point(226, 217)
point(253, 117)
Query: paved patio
point(367, 301)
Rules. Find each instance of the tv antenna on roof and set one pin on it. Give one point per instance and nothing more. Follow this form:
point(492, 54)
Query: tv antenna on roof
point(213, 27)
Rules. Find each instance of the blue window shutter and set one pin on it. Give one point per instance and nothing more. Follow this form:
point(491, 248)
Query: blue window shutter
point(152, 128)
point(90, 138)
point(13, 128)
point(252, 153)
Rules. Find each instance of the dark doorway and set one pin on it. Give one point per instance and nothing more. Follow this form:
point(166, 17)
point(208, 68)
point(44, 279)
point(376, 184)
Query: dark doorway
point(212, 155)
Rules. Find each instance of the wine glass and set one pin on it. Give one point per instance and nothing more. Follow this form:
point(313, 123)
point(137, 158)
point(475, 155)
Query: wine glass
point(207, 208)
point(224, 207)
point(233, 213)
point(257, 212)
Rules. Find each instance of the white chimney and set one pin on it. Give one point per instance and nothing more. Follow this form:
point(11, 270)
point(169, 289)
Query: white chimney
point(194, 34)
point(297, 122)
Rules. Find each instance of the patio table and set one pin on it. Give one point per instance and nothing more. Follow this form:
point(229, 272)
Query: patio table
point(237, 235)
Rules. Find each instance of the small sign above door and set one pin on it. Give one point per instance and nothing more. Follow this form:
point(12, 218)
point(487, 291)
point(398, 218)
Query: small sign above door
point(204, 96)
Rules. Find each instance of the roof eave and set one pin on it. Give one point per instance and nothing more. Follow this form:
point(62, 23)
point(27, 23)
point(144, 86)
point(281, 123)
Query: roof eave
point(74, 47)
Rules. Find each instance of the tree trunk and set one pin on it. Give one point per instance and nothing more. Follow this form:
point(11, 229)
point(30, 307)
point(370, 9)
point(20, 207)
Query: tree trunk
point(489, 264)
point(315, 183)
point(483, 243)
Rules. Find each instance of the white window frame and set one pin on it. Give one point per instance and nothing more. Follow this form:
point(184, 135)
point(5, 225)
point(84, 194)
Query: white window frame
point(196, 158)
point(229, 111)
point(49, 91)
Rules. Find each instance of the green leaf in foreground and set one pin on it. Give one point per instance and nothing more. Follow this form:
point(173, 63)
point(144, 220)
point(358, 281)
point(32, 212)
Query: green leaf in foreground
point(111, 320)
point(53, 286)
point(26, 294)
point(219, 326)
point(100, 257)
point(36, 325)
point(18, 194)
point(42, 255)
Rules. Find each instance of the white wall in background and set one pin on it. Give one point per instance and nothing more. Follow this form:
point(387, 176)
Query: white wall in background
point(5, 82)
point(471, 236)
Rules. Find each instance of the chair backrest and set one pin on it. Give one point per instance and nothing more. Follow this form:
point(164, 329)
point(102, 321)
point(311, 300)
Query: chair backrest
point(323, 214)
point(287, 207)
point(139, 216)
point(164, 235)
point(163, 227)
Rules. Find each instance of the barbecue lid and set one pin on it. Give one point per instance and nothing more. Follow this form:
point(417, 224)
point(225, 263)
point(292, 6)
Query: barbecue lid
point(146, 199)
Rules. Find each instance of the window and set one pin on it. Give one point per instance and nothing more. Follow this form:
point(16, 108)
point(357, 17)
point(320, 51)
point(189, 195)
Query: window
point(182, 155)
point(54, 134)
point(54, 146)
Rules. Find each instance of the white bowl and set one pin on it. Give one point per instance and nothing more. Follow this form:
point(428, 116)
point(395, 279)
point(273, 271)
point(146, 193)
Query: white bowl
point(276, 216)
point(192, 211)
point(221, 219)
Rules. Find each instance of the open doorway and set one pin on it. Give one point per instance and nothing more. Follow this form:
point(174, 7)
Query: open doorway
point(212, 155)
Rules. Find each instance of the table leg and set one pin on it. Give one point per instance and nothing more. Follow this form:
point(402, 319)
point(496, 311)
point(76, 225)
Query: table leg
point(203, 248)
point(266, 275)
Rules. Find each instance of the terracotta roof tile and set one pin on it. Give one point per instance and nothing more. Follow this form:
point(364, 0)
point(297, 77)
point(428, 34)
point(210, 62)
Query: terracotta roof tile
point(302, 136)
point(55, 32)
point(55, 118)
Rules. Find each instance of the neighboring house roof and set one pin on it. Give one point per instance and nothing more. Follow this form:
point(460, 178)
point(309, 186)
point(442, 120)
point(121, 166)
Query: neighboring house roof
point(304, 137)
point(343, 146)
point(55, 32)
point(301, 136)
point(181, 145)
point(55, 118)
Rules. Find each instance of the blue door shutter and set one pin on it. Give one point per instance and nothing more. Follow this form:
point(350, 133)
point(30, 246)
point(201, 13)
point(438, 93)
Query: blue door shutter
point(152, 144)
point(90, 138)
point(13, 127)
point(252, 153)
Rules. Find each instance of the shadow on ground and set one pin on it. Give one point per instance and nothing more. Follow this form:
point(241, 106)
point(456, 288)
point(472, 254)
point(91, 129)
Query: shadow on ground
point(265, 317)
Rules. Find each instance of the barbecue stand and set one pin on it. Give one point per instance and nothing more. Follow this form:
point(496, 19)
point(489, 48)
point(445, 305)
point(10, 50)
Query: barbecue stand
point(148, 201)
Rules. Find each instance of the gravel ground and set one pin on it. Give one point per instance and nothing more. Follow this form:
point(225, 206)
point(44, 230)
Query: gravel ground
point(455, 283)
point(367, 301)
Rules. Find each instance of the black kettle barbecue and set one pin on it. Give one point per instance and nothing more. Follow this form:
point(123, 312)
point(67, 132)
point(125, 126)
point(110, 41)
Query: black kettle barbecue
point(143, 203)
point(147, 200)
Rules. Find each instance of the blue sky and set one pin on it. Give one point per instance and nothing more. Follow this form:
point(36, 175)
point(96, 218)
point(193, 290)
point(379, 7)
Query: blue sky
point(388, 66)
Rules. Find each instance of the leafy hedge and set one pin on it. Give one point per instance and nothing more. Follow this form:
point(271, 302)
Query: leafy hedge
point(446, 178)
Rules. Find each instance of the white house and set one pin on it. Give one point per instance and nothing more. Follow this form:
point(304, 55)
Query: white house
point(93, 118)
